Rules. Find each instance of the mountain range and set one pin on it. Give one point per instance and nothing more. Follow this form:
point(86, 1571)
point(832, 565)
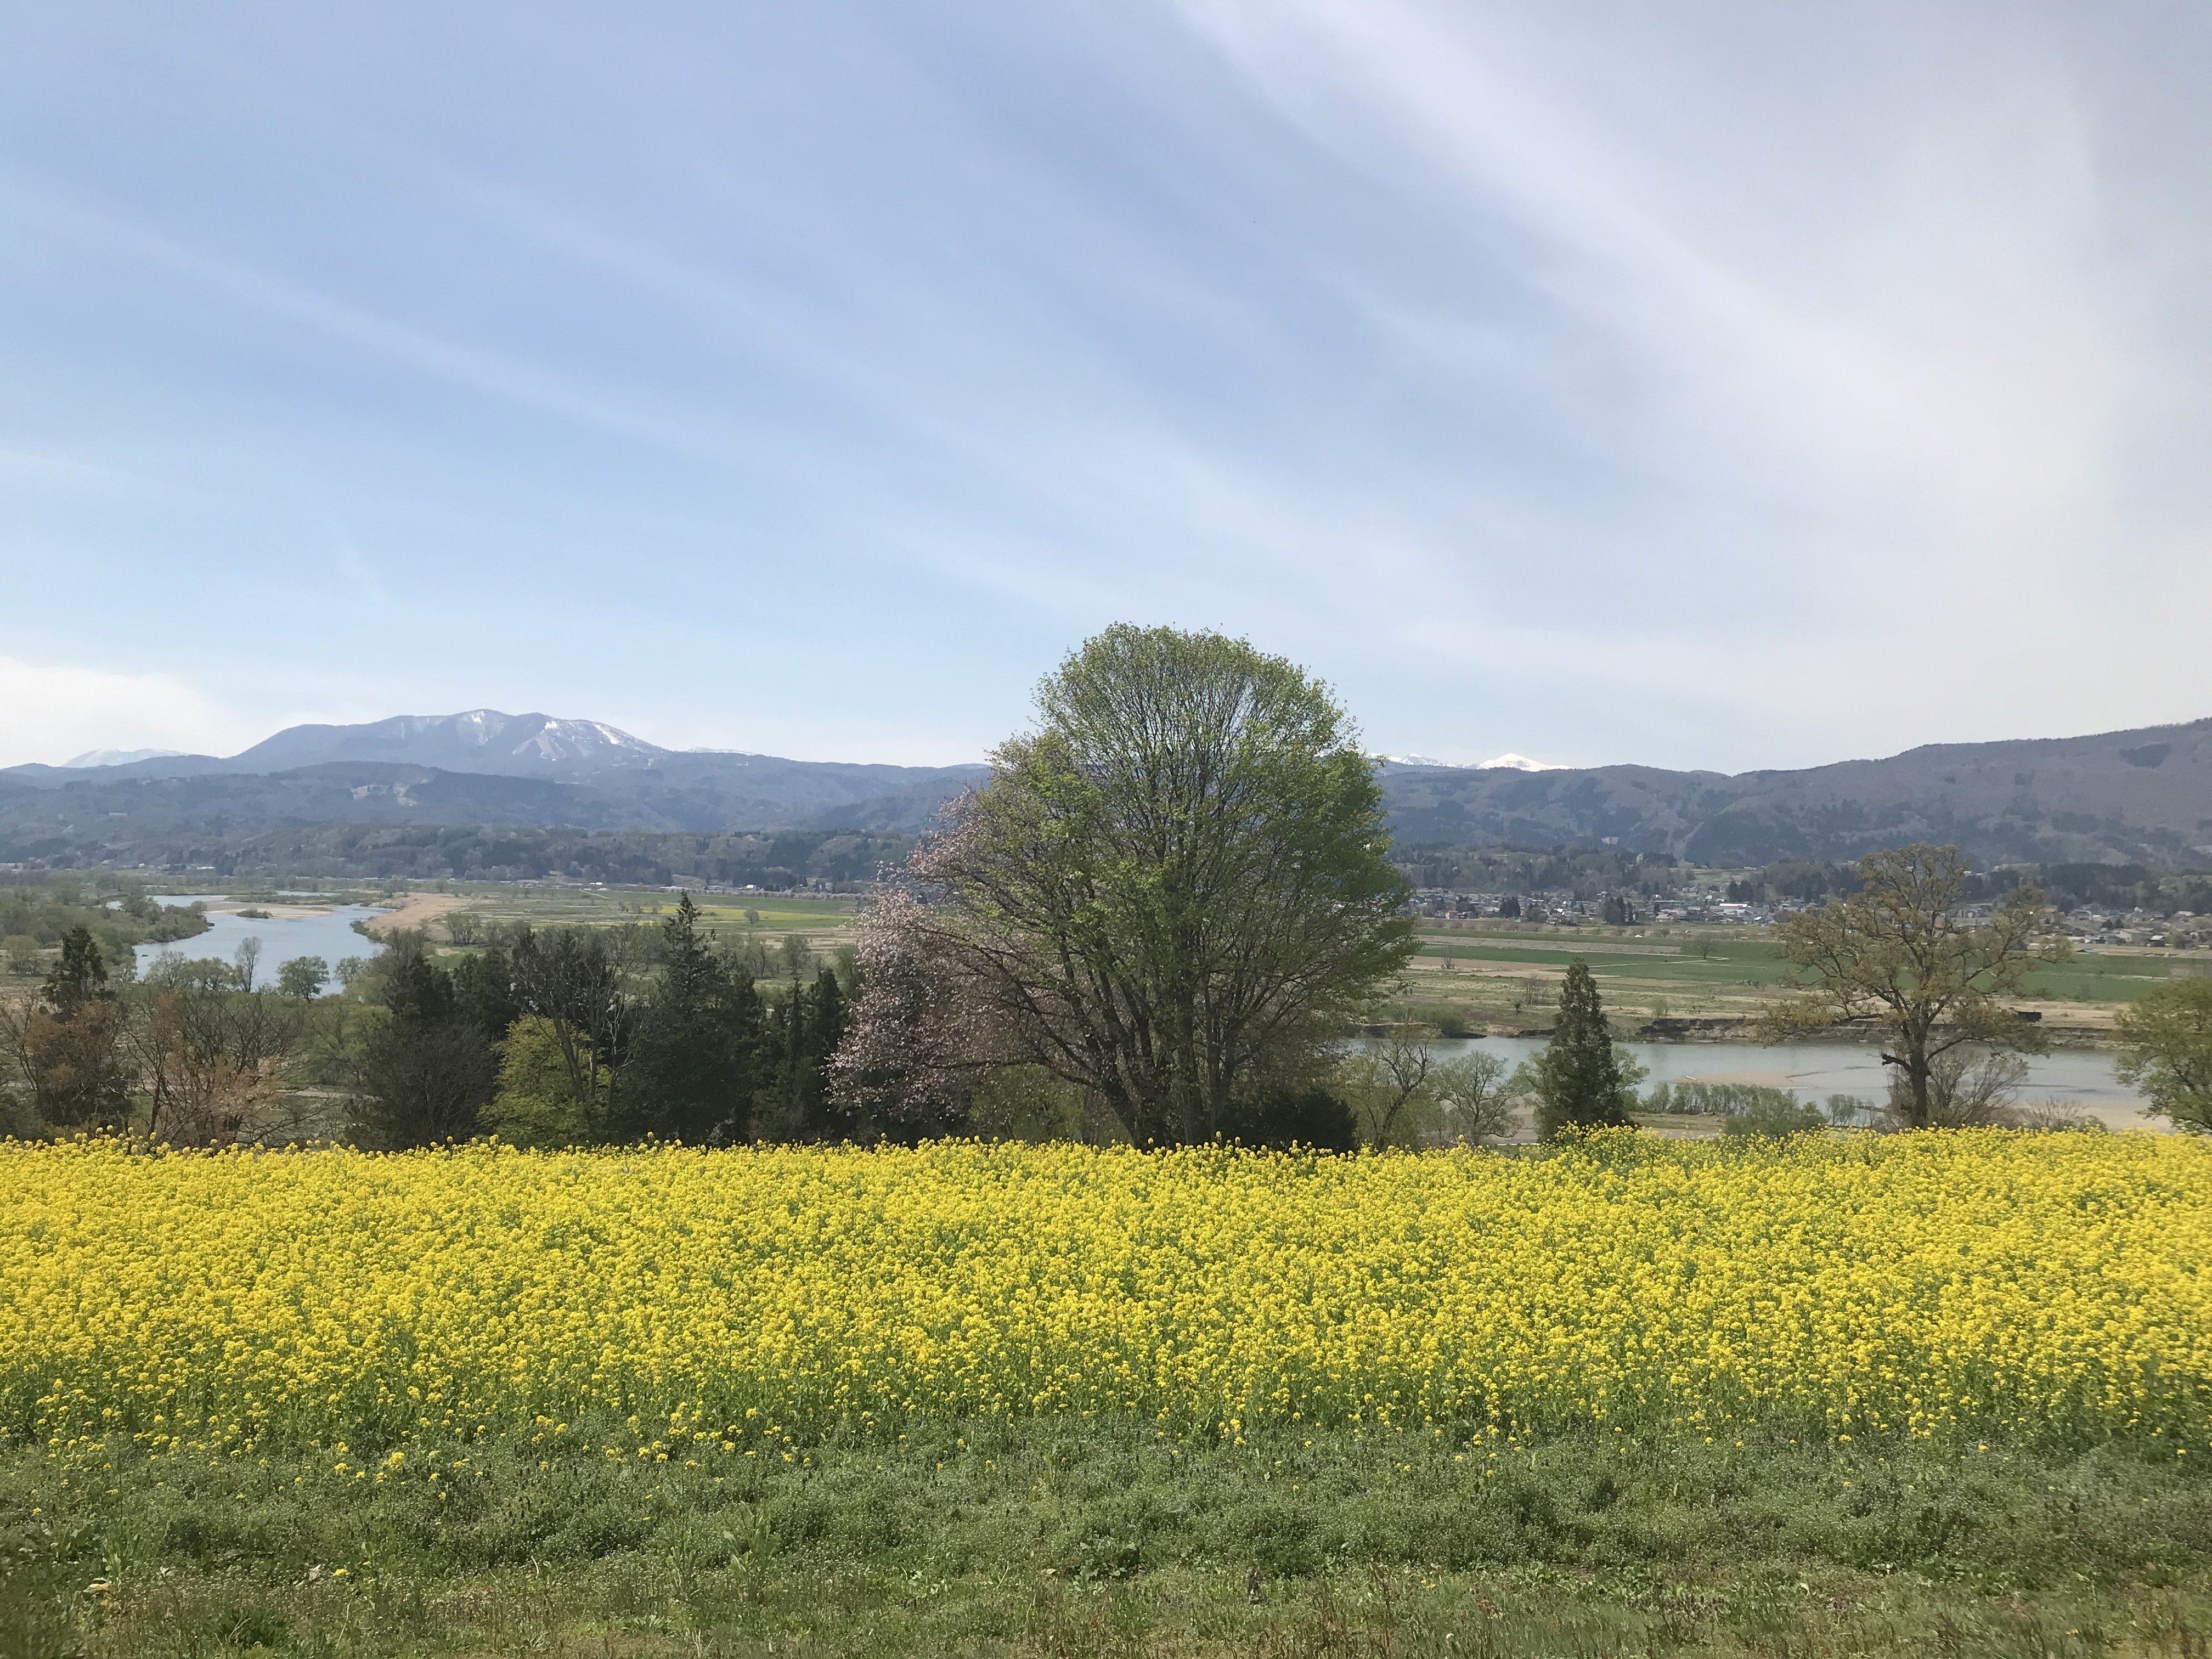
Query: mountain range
point(2138, 796)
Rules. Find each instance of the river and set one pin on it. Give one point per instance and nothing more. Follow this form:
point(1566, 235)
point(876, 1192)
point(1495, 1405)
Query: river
point(2081, 1080)
point(324, 931)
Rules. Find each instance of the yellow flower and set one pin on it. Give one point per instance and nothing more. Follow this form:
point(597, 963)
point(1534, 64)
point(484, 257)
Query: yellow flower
point(1926, 1284)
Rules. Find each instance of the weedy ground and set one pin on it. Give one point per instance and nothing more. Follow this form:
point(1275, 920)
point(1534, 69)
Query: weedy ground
point(1065, 1536)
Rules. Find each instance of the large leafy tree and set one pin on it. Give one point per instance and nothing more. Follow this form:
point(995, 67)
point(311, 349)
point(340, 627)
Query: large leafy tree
point(572, 978)
point(1897, 951)
point(1171, 894)
point(2166, 1050)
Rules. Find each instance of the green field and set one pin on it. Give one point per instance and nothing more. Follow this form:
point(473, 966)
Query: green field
point(1497, 978)
point(1059, 1537)
point(772, 914)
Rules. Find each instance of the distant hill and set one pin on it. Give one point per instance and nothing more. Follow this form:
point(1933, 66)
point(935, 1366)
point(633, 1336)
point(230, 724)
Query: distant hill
point(114, 757)
point(2140, 796)
point(2118, 797)
point(481, 768)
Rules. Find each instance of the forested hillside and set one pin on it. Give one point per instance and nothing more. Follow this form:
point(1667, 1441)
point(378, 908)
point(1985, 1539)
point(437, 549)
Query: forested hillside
point(2124, 797)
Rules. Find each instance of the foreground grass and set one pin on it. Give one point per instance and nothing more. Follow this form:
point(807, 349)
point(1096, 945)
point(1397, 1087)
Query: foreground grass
point(1056, 1536)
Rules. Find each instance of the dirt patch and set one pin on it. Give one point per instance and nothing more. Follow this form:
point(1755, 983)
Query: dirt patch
point(416, 910)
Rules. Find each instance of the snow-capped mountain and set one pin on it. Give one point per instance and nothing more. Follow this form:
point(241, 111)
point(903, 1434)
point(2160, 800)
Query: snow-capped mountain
point(118, 756)
point(1513, 762)
point(478, 741)
point(1510, 762)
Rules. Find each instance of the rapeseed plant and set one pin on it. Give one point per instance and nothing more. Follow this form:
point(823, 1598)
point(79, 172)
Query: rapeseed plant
point(724, 1303)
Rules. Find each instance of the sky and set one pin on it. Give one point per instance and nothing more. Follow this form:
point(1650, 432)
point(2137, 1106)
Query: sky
point(1721, 386)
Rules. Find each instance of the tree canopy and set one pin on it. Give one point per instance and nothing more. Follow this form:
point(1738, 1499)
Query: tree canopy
point(1171, 894)
point(2166, 1050)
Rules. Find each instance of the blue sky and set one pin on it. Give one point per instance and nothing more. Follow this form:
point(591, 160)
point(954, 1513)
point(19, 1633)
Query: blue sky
point(1720, 386)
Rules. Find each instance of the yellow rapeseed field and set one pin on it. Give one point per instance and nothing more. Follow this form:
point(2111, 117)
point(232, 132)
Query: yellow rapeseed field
point(2050, 1284)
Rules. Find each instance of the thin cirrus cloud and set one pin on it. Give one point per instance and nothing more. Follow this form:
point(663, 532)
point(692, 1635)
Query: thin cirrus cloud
point(1716, 385)
point(1881, 342)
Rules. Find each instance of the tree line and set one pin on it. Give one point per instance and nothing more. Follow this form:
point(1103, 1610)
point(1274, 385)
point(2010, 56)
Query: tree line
point(559, 1037)
point(1156, 921)
point(585, 1037)
point(38, 911)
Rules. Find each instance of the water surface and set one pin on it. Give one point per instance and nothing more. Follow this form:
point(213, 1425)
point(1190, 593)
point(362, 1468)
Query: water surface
point(2077, 1080)
point(330, 936)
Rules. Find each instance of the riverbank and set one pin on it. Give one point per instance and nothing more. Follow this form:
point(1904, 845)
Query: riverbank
point(2079, 1081)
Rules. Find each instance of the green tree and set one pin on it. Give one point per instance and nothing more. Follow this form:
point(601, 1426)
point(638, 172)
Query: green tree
point(1896, 950)
point(427, 1070)
point(302, 977)
point(691, 1063)
point(1472, 1091)
point(67, 1050)
point(805, 1032)
point(1403, 1093)
point(80, 976)
point(1581, 1080)
point(1171, 895)
point(1386, 1085)
point(535, 1104)
point(2166, 1050)
point(573, 977)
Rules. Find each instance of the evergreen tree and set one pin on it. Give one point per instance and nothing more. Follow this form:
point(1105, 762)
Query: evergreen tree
point(1580, 1080)
point(692, 1061)
point(485, 993)
point(70, 1050)
point(803, 1033)
point(427, 1070)
point(79, 977)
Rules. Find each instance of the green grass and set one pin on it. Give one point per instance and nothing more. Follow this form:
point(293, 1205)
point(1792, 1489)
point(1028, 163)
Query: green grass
point(779, 913)
point(1729, 975)
point(1063, 1537)
point(2100, 978)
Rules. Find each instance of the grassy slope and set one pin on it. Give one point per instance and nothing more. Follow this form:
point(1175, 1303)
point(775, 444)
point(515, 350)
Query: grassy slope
point(1062, 1537)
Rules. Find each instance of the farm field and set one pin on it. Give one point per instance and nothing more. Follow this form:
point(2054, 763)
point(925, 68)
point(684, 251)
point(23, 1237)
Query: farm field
point(1491, 977)
point(1499, 979)
point(1629, 1395)
point(825, 922)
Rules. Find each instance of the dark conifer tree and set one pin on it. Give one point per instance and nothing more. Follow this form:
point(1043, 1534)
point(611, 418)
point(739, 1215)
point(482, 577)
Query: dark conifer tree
point(825, 1017)
point(427, 1070)
point(795, 1103)
point(79, 977)
point(692, 1061)
point(485, 993)
point(71, 1050)
point(1580, 1080)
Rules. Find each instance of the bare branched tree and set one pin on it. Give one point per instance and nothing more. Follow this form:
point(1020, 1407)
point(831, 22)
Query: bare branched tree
point(1898, 950)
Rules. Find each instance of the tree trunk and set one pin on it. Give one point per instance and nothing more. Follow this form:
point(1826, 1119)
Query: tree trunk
point(1912, 1060)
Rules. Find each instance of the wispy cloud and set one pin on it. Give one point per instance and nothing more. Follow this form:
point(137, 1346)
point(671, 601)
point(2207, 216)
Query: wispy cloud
point(1720, 385)
point(1875, 349)
point(56, 710)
